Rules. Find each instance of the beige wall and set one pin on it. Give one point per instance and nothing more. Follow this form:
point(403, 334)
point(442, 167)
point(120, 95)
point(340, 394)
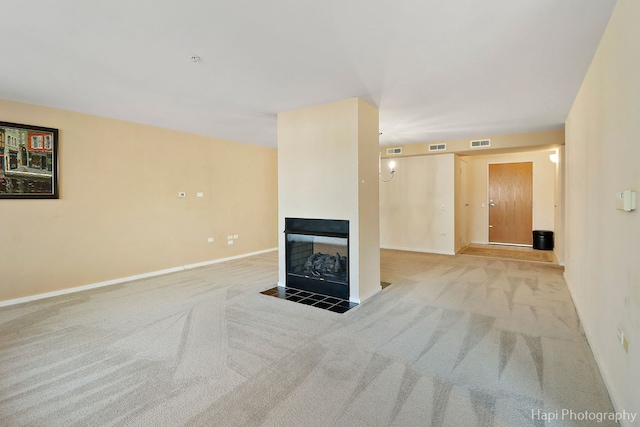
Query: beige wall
point(327, 169)
point(457, 215)
point(559, 206)
point(368, 200)
point(544, 179)
point(118, 214)
point(411, 205)
point(602, 157)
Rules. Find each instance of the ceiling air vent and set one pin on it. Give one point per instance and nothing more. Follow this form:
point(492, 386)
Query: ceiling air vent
point(481, 143)
point(437, 147)
point(394, 150)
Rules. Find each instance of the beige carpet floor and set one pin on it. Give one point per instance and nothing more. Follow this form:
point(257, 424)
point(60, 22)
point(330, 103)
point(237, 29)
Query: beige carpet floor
point(515, 253)
point(454, 341)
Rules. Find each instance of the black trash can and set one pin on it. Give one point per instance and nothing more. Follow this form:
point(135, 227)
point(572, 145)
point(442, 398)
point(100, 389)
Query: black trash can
point(543, 239)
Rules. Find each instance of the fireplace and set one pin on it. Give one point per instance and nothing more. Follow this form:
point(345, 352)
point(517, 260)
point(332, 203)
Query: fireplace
point(317, 256)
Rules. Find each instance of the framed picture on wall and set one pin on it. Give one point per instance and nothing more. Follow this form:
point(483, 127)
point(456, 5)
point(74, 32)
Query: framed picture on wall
point(28, 162)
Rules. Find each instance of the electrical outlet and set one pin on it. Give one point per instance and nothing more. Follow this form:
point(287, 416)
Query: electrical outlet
point(235, 236)
point(229, 237)
point(199, 194)
point(182, 194)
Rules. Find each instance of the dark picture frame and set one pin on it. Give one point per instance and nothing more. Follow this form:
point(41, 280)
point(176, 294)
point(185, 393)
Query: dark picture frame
point(28, 162)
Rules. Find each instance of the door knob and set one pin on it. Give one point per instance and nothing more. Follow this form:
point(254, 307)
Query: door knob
point(491, 226)
point(492, 204)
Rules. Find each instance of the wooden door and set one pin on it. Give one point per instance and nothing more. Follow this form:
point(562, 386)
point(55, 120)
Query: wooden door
point(511, 203)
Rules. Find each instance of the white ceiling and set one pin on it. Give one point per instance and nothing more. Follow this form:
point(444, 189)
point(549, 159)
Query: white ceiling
point(437, 69)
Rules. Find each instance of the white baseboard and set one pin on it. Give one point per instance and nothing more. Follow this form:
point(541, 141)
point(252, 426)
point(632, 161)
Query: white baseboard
point(127, 279)
point(426, 251)
point(596, 355)
point(366, 297)
point(231, 258)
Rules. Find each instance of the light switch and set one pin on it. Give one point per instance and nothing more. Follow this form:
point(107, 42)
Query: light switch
point(626, 200)
point(199, 194)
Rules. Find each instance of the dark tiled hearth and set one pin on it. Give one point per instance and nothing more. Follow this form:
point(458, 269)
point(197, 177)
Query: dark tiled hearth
point(325, 302)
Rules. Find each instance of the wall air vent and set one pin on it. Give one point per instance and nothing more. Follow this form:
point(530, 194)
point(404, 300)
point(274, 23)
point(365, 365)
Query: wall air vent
point(397, 150)
point(481, 143)
point(437, 147)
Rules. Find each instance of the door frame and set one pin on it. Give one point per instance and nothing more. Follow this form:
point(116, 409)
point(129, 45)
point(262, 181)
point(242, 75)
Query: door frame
point(533, 211)
point(463, 203)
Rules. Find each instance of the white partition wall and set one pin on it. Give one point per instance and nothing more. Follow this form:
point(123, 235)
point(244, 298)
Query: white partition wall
point(417, 207)
point(328, 169)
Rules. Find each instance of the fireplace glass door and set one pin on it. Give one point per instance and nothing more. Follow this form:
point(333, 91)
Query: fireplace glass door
point(318, 262)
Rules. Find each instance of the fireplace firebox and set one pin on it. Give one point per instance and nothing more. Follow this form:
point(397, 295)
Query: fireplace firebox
point(317, 255)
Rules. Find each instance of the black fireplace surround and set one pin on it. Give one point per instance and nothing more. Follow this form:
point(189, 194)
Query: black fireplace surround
point(317, 255)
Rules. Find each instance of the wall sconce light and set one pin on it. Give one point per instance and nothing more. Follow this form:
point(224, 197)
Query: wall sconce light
point(392, 167)
point(392, 170)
